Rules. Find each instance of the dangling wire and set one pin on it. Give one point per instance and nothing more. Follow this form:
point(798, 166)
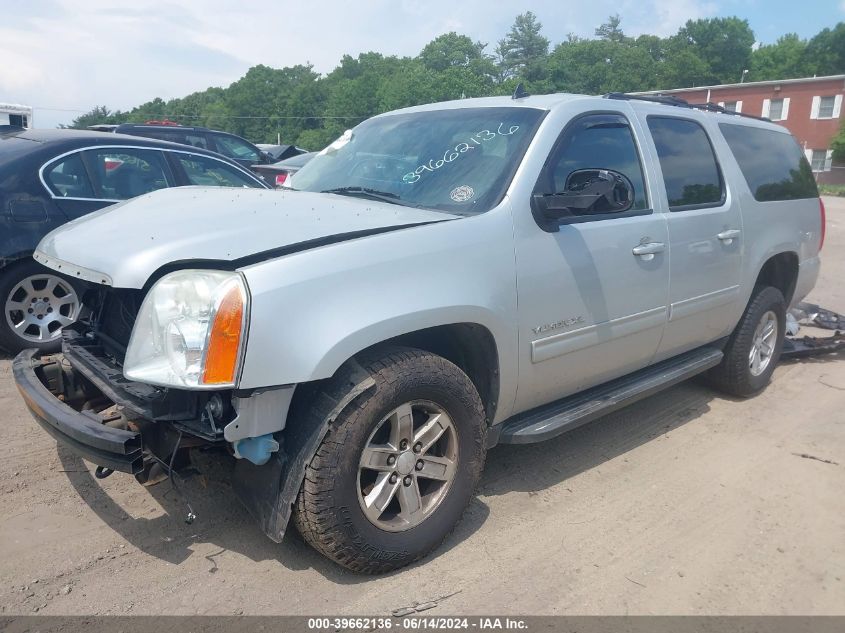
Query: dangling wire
point(191, 516)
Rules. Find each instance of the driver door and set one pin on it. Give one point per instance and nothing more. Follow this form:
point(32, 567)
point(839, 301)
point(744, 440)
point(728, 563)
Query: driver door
point(592, 303)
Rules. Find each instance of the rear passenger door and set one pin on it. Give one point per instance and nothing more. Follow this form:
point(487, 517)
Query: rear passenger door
point(90, 179)
point(705, 235)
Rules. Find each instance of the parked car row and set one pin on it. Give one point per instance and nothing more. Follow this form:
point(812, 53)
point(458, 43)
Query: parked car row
point(49, 177)
point(229, 145)
point(278, 174)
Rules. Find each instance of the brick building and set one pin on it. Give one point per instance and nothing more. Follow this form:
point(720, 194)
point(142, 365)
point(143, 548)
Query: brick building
point(810, 108)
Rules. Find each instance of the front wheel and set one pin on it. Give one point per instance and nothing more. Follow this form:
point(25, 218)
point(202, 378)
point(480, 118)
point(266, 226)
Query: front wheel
point(753, 350)
point(398, 466)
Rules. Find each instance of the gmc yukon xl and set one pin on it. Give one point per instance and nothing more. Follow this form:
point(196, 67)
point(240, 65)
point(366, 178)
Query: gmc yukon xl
point(438, 280)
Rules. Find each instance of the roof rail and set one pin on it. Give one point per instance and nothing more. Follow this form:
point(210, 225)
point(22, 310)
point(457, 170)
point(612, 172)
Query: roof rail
point(670, 100)
point(163, 122)
point(681, 103)
point(715, 107)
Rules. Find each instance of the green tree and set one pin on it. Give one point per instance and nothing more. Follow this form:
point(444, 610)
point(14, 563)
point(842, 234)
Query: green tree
point(785, 59)
point(456, 51)
point(524, 51)
point(723, 44)
point(601, 66)
point(682, 67)
point(610, 30)
point(97, 115)
point(826, 51)
point(838, 145)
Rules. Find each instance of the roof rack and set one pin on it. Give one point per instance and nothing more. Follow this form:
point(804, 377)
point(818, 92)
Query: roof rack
point(670, 100)
point(681, 103)
point(715, 107)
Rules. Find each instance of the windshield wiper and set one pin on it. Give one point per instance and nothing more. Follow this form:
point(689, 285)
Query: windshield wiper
point(366, 192)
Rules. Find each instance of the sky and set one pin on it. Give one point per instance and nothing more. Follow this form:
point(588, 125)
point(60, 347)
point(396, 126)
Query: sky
point(66, 56)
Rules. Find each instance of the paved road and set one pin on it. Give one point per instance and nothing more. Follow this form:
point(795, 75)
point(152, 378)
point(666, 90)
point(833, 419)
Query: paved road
point(688, 502)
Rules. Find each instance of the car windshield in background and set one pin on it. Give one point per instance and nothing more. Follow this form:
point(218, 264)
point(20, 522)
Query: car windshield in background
point(459, 160)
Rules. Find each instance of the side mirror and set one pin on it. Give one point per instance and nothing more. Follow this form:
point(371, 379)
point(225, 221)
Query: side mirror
point(587, 192)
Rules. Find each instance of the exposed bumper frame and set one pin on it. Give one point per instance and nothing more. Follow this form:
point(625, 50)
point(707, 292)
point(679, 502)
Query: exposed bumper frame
point(82, 432)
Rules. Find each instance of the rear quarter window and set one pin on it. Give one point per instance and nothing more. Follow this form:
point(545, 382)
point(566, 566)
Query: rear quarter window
point(772, 163)
point(68, 178)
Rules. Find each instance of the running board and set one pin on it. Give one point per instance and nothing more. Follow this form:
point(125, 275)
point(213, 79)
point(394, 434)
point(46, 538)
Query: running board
point(550, 420)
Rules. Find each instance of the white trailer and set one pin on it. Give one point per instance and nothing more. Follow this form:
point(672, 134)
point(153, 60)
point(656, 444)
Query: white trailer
point(16, 114)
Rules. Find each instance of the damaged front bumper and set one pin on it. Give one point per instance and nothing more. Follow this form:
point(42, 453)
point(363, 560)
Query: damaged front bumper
point(83, 432)
point(81, 398)
point(812, 315)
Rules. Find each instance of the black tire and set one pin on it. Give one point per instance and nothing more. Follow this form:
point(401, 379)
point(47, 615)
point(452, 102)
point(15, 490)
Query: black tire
point(10, 277)
point(328, 513)
point(733, 375)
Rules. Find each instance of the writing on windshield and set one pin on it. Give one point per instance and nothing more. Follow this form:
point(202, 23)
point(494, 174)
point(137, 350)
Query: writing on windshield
point(453, 153)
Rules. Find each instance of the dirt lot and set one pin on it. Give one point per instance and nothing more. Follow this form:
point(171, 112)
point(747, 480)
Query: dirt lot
point(686, 503)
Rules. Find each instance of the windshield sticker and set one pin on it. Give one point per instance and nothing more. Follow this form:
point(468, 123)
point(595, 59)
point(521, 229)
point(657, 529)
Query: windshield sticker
point(454, 153)
point(342, 140)
point(462, 193)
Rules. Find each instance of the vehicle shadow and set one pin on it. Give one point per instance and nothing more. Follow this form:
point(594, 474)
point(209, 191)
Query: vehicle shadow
point(223, 521)
point(534, 467)
point(820, 358)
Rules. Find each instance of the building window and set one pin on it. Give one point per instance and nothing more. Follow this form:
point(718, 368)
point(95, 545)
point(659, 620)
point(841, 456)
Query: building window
point(730, 106)
point(776, 110)
point(820, 160)
point(827, 107)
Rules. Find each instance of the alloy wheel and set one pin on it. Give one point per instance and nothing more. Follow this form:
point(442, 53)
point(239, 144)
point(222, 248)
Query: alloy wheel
point(39, 305)
point(407, 466)
point(763, 343)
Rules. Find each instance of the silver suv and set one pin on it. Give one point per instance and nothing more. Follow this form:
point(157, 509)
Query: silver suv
point(438, 280)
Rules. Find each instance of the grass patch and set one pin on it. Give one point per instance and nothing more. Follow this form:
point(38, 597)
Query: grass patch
point(832, 190)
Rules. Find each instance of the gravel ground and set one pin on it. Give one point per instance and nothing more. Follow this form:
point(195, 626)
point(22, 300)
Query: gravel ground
point(686, 503)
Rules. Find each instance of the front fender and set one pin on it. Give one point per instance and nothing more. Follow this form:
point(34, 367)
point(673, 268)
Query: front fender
point(311, 311)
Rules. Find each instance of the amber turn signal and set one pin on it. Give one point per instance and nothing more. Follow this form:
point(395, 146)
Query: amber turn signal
point(221, 358)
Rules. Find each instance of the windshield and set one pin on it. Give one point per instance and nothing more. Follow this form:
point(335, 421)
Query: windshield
point(460, 161)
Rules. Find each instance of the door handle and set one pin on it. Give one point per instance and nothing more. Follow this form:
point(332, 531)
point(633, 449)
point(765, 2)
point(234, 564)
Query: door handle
point(729, 236)
point(648, 250)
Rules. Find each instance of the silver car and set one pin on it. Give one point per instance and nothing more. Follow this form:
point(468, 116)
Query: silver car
point(438, 280)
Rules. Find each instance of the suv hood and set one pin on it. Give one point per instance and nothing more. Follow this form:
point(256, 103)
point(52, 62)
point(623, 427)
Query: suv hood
point(123, 245)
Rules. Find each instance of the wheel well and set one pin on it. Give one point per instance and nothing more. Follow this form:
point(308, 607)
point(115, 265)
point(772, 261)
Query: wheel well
point(781, 272)
point(469, 346)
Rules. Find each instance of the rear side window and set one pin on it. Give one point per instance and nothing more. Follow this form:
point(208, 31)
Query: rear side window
point(196, 140)
point(68, 178)
point(772, 162)
point(208, 172)
point(689, 166)
point(123, 173)
point(234, 147)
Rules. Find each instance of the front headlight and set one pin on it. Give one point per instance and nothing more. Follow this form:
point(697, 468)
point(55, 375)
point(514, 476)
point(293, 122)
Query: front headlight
point(190, 331)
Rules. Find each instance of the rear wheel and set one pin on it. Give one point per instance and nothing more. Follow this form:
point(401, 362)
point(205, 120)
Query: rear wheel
point(37, 303)
point(398, 466)
point(753, 350)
